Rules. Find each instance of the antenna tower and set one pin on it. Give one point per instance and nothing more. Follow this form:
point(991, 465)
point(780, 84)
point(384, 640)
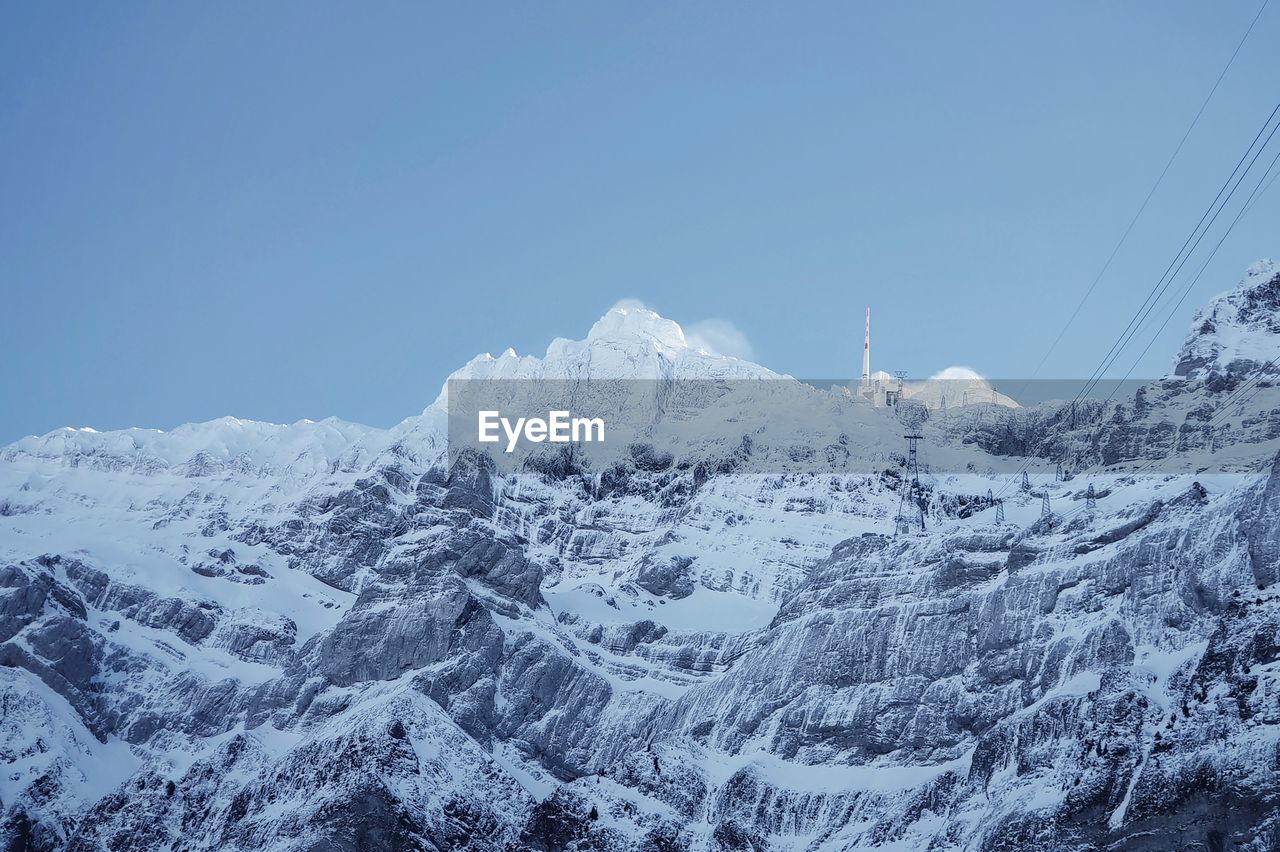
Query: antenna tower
point(866, 354)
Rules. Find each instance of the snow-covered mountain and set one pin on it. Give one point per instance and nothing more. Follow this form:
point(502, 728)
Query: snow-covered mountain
point(1236, 332)
point(956, 387)
point(239, 635)
point(626, 343)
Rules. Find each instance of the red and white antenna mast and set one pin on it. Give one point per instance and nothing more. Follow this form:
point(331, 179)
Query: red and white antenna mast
point(866, 353)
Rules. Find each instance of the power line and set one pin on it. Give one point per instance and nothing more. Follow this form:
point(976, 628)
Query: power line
point(1265, 189)
point(1151, 192)
point(1179, 260)
point(1162, 285)
point(1175, 266)
point(1196, 278)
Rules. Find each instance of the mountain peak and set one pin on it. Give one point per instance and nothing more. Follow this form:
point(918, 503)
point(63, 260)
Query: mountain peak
point(1236, 331)
point(628, 342)
point(633, 322)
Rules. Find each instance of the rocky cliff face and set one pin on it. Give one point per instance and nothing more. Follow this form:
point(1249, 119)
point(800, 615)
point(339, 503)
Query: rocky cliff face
point(322, 636)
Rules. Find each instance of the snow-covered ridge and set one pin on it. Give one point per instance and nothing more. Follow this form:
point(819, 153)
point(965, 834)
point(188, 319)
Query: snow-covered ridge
point(227, 442)
point(1237, 330)
point(627, 343)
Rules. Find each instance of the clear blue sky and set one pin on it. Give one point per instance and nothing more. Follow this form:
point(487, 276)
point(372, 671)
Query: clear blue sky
point(285, 210)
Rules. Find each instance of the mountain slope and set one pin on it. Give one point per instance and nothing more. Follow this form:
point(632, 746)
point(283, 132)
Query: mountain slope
point(324, 636)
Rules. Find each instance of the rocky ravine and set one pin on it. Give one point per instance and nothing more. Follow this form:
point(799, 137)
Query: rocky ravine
point(321, 636)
